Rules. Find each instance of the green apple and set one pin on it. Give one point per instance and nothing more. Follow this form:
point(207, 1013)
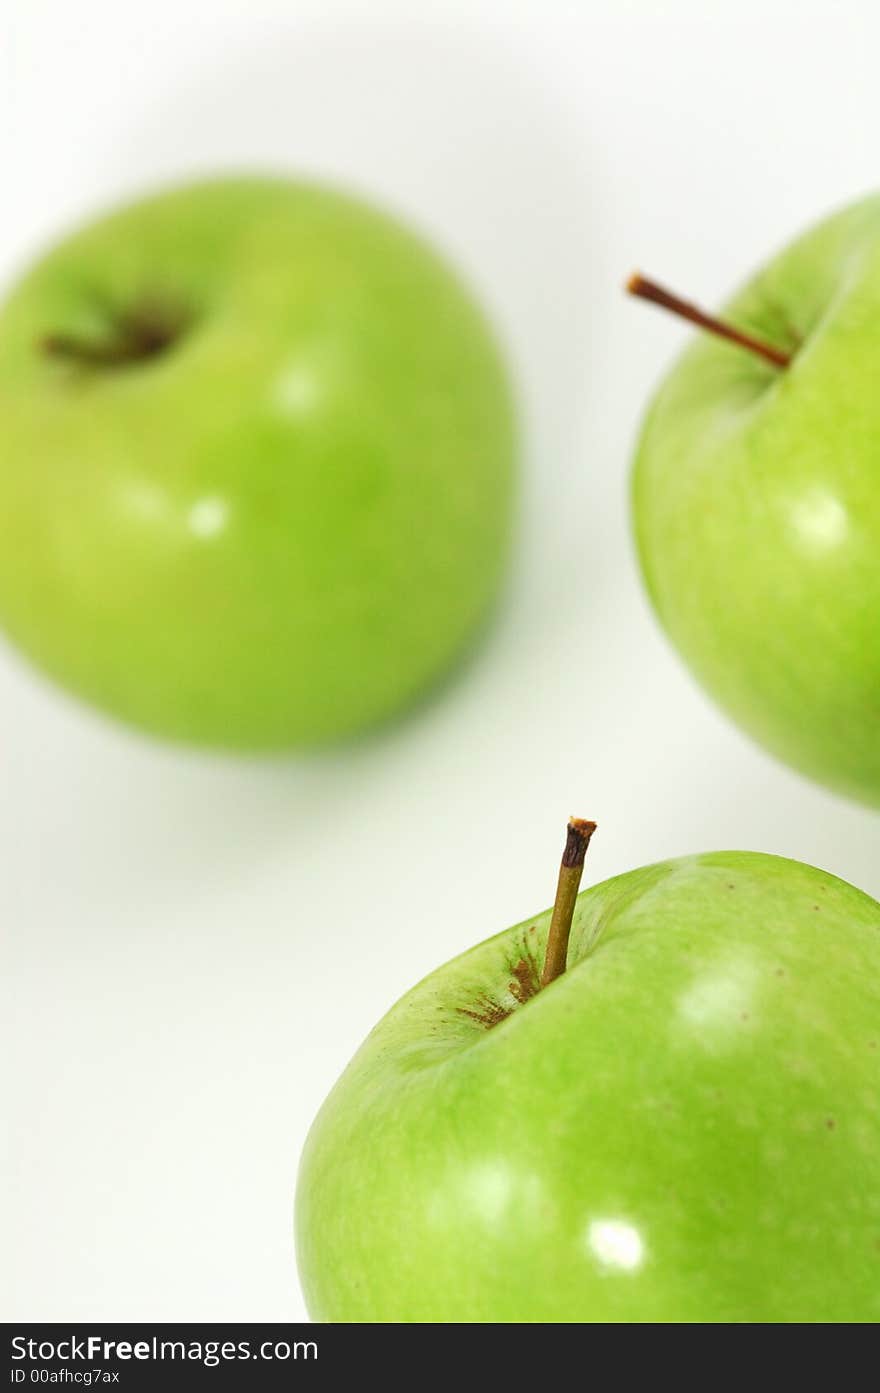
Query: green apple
point(684, 1126)
point(757, 506)
point(257, 475)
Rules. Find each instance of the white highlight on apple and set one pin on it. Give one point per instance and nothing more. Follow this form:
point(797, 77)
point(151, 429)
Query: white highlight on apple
point(720, 1003)
point(145, 501)
point(820, 521)
point(208, 517)
point(616, 1244)
point(490, 1190)
point(297, 390)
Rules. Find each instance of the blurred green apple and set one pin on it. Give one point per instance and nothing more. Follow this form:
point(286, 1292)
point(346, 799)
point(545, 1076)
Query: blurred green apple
point(257, 476)
point(757, 506)
point(684, 1126)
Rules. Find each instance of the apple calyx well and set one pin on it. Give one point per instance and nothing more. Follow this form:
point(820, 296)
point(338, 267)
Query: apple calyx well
point(644, 289)
point(132, 336)
point(570, 871)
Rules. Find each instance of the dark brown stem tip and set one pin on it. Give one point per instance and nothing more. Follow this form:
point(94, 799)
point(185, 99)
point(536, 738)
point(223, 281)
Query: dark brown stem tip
point(577, 840)
point(655, 294)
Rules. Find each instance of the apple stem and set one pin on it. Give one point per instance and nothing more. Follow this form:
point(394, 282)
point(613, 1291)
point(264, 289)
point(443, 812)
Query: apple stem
point(142, 333)
point(655, 294)
point(74, 350)
point(570, 871)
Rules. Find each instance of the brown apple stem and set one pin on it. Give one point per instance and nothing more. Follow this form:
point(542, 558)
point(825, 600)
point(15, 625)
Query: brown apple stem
point(75, 350)
point(570, 872)
point(142, 342)
point(144, 331)
point(648, 290)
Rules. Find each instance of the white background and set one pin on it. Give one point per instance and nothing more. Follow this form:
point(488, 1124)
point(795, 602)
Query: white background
point(196, 945)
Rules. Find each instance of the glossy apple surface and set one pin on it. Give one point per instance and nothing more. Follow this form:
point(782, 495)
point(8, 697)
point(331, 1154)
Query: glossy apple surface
point(685, 1126)
point(757, 507)
point(285, 522)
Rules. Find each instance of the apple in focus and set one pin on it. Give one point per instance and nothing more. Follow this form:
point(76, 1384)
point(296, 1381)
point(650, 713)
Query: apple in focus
point(684, 1126)
point(757, 507)
point(257, 476)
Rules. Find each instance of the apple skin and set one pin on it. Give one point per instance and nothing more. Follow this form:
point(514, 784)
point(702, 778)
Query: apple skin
point(757, 508)
point(685, 1126)
point(288, 524)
